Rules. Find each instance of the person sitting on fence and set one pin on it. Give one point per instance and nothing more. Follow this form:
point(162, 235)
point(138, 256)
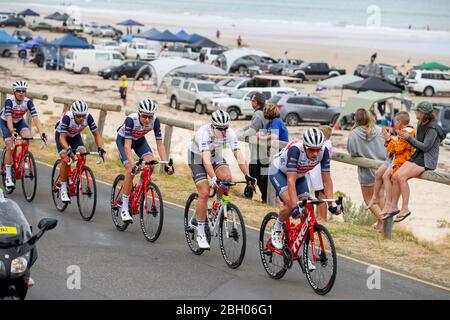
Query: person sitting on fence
point(131, 136)
point(123, 89)
point(68, 138)
point(314, 177)
point(427, 141)
point(12, 122)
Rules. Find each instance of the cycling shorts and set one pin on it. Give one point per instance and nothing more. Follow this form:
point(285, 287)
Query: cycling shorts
point(198, 171)
point(140, 147)
point(75, 143)
point(279, 182)
point(19, 126)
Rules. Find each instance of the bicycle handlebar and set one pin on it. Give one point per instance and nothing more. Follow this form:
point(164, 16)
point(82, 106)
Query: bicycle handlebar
point(83, 154)
point(338, 201)
point(44, 143)
point(140, 163)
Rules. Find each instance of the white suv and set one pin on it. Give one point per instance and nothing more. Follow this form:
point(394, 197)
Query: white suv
point(428, 83)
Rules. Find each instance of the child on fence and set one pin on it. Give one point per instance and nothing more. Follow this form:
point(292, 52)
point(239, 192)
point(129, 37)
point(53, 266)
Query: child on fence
point(314, 176)
point(401, 151)
point(123, 89)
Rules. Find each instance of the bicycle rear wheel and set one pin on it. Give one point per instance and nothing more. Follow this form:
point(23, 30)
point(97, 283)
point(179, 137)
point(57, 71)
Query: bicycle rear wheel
point(190, 227)
point(56, 187)
point(3, 173)
point(272, 261)
point(86, 193)
point(29, 177)
point(116, 203)
point(322, 277)
point(151, 213)
point(232, 236)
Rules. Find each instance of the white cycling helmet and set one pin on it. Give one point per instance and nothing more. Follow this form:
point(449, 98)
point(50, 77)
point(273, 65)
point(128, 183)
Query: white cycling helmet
point(313, 138)
point(220, 118)
point(147, 106)
point(20, 85)
point(79, 108)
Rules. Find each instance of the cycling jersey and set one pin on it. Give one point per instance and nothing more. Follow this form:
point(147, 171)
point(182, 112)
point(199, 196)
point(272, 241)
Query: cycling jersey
point(68, 125)
point(133, 129)
point(205, 140)
point(293, 158)
point(16, 110)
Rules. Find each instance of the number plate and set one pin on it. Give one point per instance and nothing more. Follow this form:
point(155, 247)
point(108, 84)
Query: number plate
point(8, 230)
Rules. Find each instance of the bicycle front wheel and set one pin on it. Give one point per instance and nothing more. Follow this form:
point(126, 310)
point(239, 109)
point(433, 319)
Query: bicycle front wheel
point(86, 194)
point(190, 224)
point(151, 213)
point(29, 177)
point(56, 187)
point(116, 203)
point(232, 236)
point(320, 274)
point(3, 173)
point(272, 261)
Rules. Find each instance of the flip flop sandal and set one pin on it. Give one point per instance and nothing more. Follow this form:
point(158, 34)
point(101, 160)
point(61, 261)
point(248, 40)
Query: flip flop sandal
point(390, 214)
point(400, 219)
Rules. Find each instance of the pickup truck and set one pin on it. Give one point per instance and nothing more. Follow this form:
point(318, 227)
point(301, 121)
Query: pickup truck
point(140, 51)
point(313, 71)
point(180, 51)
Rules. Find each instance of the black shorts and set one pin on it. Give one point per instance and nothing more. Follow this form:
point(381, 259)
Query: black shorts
point(198, 171)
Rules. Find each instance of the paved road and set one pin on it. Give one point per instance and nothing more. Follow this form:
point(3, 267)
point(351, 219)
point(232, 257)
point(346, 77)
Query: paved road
point(123, 265)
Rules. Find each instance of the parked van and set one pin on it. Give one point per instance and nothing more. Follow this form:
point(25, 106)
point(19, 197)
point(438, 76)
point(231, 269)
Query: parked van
point(91, 60)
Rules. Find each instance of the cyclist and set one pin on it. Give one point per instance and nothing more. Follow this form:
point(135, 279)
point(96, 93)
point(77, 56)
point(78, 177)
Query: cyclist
point(205, 159)
point(12, 121)
point(287, 175)
point(131, 136)
point(68, 138)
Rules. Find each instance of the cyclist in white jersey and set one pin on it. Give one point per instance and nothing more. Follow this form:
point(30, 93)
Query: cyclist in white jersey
point(287, 175)
point(12, 121)
point(205, 159)
point(68, 138)
point(131, 136)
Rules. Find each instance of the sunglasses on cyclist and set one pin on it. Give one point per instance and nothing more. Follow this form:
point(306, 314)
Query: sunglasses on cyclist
point(221, 129)
point(21, 91)
point(79, 116)
point(147, 117)
point(315, 150)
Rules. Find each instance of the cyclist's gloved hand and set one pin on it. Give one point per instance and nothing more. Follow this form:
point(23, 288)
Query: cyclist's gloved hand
point(44, 137)
point(298, 211)
point(334, 209)
point(169, 169)
point(101, 152)
point(69, 152)
point(250, 179)
point(135, 169)
point(14, 135)
point(213, 183)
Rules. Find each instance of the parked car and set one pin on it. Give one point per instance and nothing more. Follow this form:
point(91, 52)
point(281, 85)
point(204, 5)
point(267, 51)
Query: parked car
point(128, 68)
point(358, 69)
point(193, 94)
point(384, 72)
point(239, 103)
point(211, 54)
point(299, 108)
point(140, 51)
point(13, 22)
point(443, 115)
point(230, 85)
point(446, 142)
point(104, 31)
point(313, 71)
point(180, 51)
point(90, 27)
point(277, 68)
point(91, 60)
point(74, 25)
point(23, 35)
point(107, 45)
point(428, 83)
point(6, 50)
point(37, 26)
point(242, 65)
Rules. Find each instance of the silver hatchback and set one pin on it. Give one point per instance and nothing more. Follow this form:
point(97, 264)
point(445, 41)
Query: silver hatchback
point(295, 109)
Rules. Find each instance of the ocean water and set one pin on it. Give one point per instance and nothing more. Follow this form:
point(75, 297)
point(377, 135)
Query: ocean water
point(401, 14)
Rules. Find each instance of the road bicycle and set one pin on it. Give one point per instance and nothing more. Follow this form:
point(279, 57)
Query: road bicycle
point(318, 257)
point(145, 200)
point(24, 167)
point(224, 220)
point(80, 183)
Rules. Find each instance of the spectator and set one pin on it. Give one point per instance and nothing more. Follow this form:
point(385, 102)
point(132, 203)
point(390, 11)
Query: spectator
point(365, 141)
point(239, 41)
point(429, 136)
point(139, 30)
point(123, 89)
point(218, 34)
point(259, 155)
point(314, 176)
point(275, 127)
point(399, 151)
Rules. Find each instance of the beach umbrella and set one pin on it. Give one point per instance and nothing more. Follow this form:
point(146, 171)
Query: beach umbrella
point(182, 35)
point(166, 36)
point(130, 23)
point(372, 84)
point(432, 66)
point(6, 38)
point(28, 12)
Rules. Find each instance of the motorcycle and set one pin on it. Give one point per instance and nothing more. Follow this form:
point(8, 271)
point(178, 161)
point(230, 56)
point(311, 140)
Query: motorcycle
point(18, 250)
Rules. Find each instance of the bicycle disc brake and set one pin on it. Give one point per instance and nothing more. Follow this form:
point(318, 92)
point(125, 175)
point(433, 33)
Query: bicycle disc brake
point(288, 259)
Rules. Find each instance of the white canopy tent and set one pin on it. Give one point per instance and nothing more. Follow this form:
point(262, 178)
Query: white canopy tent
point(234, 54)
point(338, 82)
point(201, 68)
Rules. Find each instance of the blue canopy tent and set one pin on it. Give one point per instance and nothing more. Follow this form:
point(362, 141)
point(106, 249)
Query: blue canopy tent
point(147, 34)
point(130, 23)
point(182, 35)
point(71, 42)
point(29, 13)
point(127, 38)
point(166, 36)
point(29, 44)
point(6, 38)
point(195, 38)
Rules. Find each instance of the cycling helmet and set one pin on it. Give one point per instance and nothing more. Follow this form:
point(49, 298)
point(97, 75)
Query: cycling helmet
point(220, 118)
point(79, 108)
point(313, 138)
point(20, 85)
point(147, 106)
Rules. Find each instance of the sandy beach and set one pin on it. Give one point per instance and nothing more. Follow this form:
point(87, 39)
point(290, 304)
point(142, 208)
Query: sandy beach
point(346, 50)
